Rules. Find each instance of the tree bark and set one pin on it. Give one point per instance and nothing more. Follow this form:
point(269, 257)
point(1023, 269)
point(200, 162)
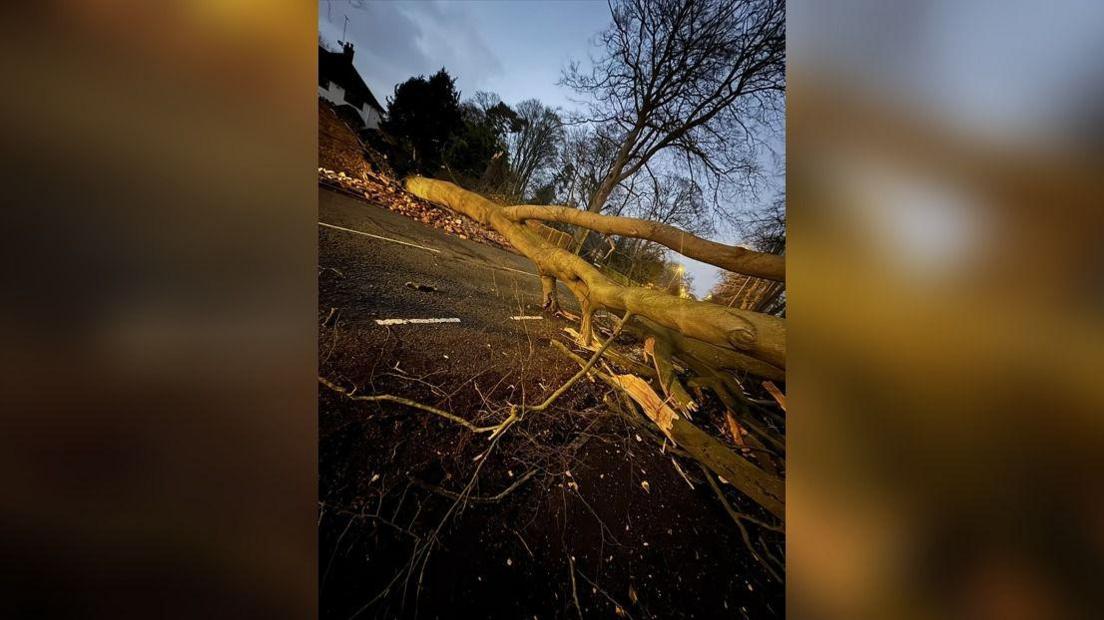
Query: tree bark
point(732, 258)
point(760, 336)
point(550, 301)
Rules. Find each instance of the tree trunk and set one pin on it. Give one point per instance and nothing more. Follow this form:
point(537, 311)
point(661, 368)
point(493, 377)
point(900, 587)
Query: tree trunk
point(550, 301)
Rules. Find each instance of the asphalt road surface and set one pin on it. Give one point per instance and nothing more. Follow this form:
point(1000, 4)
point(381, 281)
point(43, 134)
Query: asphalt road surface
point(379, 252)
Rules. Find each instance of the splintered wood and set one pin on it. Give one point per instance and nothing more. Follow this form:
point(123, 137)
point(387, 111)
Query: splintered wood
point(764, 488)
point(737, 431)
point(776, 393)
point(654, 406)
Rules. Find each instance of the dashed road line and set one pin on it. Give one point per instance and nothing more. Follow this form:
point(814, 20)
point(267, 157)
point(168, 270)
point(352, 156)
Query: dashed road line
point(521, 271)
point(527, 318)
point(422, 247)
point(415, 321)
point(361, 232)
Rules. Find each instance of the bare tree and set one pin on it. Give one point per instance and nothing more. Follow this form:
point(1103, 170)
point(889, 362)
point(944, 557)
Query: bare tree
point(582, 163)
point(689, 78)
point(534, 145)
point(676, 201)
point(485, 100)
point(764, 231)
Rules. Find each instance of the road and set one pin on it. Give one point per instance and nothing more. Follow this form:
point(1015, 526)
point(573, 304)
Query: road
point(379, 252)
point(376, 313)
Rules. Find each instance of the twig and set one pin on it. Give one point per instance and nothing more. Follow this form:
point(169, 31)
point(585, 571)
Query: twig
point(681, 473)
point(574, 589)
point(605, 594)
point(477, 499)
point(524, 544)
point(738, 518)
point(590, 364)
point(411, 403)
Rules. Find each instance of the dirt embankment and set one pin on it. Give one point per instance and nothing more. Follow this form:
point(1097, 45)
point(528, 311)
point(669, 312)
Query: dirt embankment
point(346, 163)
point(339, 148)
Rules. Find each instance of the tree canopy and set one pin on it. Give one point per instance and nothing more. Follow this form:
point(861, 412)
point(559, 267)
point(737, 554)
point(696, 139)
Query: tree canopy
point(423, 115)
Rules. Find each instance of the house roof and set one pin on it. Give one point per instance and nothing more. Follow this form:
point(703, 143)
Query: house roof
point(338, 68)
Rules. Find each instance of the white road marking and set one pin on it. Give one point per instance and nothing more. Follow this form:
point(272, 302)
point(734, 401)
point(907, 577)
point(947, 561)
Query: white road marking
point(521, 271)
point(527, 318)
point(422, 247)
point(360, 232)
point(406, 321)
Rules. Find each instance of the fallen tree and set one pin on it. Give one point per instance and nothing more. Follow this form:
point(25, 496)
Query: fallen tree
point(709, 340)
point(759, 336)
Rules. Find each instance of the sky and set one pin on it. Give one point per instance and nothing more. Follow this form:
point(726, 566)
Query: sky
point(515, 49)
point(1015, 70)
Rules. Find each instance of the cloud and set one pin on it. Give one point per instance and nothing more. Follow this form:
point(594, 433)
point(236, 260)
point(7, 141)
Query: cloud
point(451, 36)
point(395, 41)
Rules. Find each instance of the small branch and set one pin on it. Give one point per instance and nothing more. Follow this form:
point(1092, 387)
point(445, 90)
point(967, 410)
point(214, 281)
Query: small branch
point(738, 518)
point(477, 499)
point(590, 364)
point(574, 589)
point(410, 403)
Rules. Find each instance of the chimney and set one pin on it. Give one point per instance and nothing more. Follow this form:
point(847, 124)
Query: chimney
point(347, 51)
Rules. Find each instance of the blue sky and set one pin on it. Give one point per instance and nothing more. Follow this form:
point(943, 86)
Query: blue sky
point(515, 49)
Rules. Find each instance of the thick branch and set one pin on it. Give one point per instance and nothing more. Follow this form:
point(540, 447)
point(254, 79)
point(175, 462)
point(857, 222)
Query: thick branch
point(759, 335)
point(732, 258)
point(711, 355)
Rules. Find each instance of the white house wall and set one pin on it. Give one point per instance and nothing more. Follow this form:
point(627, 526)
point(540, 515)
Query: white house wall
point(372, 119)
point(336, 95)
point(332, 93)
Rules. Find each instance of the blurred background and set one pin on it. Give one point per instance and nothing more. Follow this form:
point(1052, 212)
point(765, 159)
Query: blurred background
point(158, 447)
point(945, 309)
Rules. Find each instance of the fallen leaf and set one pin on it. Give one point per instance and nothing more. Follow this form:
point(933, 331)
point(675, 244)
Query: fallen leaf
point(421, 287)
